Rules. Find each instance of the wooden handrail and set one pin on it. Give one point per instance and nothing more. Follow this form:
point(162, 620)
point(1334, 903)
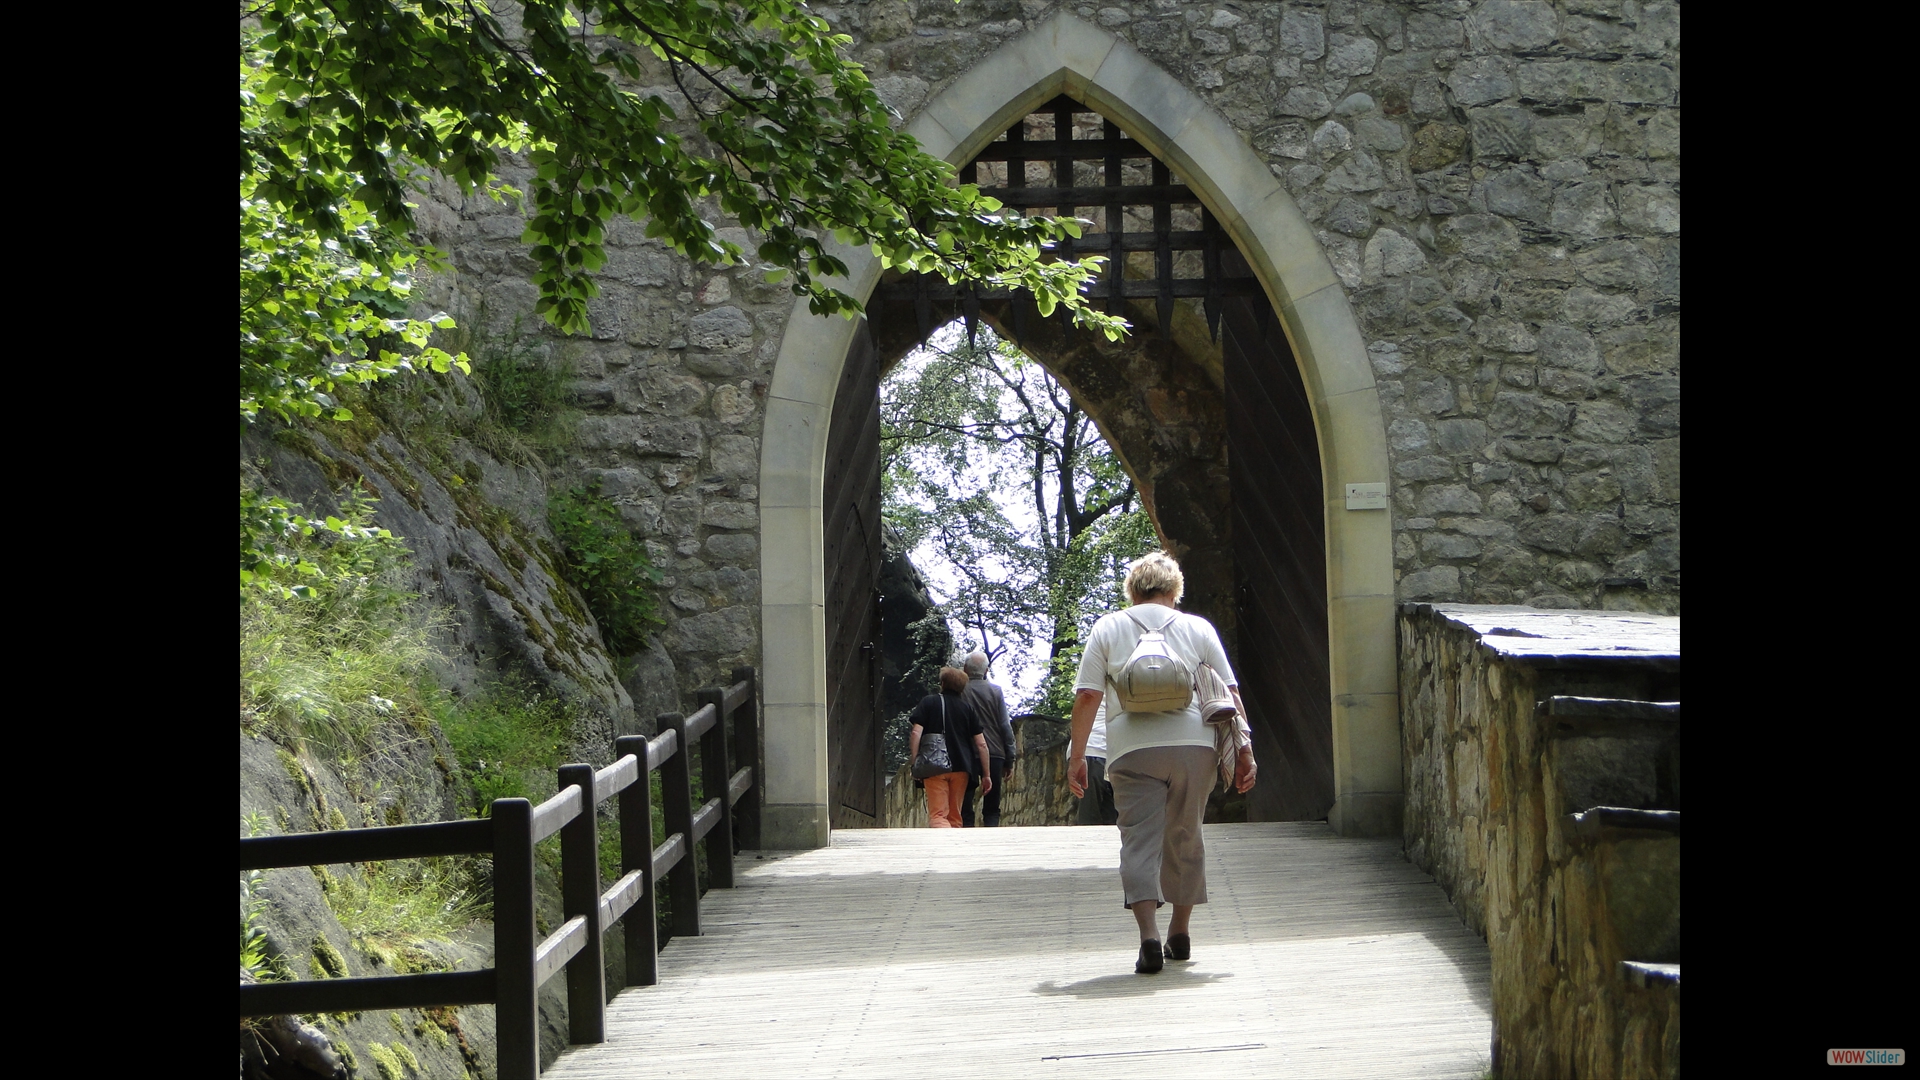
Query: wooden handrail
point(701, 721)
point(367, 845)
point(727, 818)
point(551, 816)
point(354, 995)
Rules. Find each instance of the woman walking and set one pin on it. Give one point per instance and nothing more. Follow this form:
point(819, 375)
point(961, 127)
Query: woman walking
point(947, 714)
point(1161, 764)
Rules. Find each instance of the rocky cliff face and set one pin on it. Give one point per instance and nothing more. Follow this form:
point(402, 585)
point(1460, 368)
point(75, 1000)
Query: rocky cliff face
point(488, 567)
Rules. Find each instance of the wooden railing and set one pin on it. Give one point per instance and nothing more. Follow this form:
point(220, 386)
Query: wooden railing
point(522, 964)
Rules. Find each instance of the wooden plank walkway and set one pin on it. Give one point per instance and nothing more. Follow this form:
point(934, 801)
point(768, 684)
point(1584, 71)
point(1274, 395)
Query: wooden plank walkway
point(915, 953)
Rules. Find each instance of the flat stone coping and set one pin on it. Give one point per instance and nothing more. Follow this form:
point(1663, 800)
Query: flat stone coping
point(1535, 634)
point(1650, 975)
point(1603, 822)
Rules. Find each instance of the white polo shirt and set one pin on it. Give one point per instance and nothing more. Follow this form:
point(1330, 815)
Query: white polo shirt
point(1190, 637)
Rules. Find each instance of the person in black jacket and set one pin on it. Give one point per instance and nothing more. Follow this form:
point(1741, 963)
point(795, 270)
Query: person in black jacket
point(990, 708)
point(948, 714)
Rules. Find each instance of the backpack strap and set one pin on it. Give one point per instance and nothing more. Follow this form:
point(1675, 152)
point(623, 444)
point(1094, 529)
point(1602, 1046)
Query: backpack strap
point(1161, 629)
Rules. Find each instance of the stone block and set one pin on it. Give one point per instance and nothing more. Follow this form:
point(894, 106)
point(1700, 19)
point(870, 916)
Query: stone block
point(722, 514)
point(1591, 307)
point(727, 632)
point(1603, 39)
point(1351, 216)
point(1587, 491)
point(1482, 81)
point(1650, 209)
point(1348, 55)
point(1303, 33)
point(741, 549)
point(1379, 133)
point(1427, 30)
point(1438, 545)
point(1656, 400)
point(1501, 132)
point(1561, 82)
point(1426, 468)
point(1560, 138)
point(1551, 532)
point(736, 456)
point(1603, 422)
point(1431, 394)
point(1502, 25)
point(1584, 209)
point(1408, 436)
point(1650, 84)
point(1641, 350)
point(1290, 140)
point(1479, 237)
point(1449, 499)
point(1308, 101)
point(1360, 172)
point(1331, 139)
point(1504, 335)
point(1390, 254)
point(1616, 265)
point(1516, 413)
point(724, 330)
point(1432, 583)
point(646, 267)
point(1460, 436)
point(1565, 384)
point(1666, 468)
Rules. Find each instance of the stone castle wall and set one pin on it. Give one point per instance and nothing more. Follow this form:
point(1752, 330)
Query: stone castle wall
point(1496, 185)
point(1493, 788)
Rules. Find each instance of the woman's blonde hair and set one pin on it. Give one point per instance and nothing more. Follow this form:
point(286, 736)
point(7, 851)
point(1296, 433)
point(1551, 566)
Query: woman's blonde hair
point(1155, 576)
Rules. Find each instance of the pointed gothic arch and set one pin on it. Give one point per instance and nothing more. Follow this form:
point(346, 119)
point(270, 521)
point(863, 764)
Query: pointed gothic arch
point(1067, 55)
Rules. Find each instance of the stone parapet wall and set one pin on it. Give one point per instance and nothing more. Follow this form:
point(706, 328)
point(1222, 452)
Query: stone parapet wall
point(1493, 785)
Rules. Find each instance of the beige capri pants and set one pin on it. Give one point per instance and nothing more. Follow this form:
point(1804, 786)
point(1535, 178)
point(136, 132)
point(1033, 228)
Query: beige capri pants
point(1161, 794)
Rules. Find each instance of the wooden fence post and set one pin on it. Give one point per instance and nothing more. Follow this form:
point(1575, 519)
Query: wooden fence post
point(676, 795)
point(642, 922)
point(513, 939)
point(580, 896)
point(746, 751)
point(714, 774)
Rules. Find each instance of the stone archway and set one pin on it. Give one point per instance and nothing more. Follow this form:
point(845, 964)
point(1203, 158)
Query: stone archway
point(1067, 55)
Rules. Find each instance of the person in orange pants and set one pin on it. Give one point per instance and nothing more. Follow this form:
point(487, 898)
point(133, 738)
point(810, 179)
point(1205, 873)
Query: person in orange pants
point(947, 714)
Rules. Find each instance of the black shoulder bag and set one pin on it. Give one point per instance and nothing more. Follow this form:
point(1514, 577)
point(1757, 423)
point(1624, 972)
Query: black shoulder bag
point(934, 759)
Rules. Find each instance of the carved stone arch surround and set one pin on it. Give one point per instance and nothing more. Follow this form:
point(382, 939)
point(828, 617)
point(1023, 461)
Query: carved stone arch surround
point(1067, 55)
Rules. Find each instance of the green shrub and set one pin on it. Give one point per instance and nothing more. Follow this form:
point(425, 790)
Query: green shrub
point(334, 660)
point(608, 564)
point(526, 391)
point(510, 741)
point(394, 910)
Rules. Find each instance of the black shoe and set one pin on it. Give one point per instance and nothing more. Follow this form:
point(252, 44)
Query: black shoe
point(1179, 946)
point(1150, 961)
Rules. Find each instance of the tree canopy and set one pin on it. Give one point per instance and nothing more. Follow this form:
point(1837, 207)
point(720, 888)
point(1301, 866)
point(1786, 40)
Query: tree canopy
point(344, 102)
point(346, 106)
point(991, 467)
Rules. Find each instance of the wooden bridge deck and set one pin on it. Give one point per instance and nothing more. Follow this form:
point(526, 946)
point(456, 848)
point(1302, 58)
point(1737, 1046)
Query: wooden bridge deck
point(915, 953)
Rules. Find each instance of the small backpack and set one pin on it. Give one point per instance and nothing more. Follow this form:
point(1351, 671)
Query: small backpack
point(1153, 679)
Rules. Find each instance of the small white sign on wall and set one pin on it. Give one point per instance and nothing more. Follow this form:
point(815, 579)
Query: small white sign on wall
point(1366, 496)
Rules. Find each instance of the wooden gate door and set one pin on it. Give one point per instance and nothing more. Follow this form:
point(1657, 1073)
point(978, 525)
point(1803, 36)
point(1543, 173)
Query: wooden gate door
point(1280, 562)
point(853, 554)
